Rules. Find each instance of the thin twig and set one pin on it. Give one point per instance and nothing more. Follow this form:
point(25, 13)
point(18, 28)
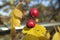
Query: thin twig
point(18, 4)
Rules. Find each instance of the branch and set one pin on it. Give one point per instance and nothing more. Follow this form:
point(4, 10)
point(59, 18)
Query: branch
point(5, 5)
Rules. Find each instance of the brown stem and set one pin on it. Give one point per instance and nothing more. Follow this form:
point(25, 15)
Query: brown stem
point(56, 28)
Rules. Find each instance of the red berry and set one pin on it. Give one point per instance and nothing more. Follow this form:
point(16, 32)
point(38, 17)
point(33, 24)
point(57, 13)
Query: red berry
point(30, 23)
point(34, 12)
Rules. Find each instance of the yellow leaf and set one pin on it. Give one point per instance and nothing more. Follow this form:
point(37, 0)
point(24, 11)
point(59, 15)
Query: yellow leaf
point(18, 13)
point(56, 36)
point(11, 1)
point(16, 22)
point(37, 20)
point(48, 35)
point(12, 30)
point(38, 30)
point(24, 12)
point(36, 33)
point(15, 15)
point(30, 37)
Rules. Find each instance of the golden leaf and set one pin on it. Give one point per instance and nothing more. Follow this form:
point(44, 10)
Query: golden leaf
point(38, 30)
point(15, 15)
point(56, 36)
point(36, 33)
point(37, 20)
point(18, 13)
point(11, 1)
point(30, 37)
point(12, 30)
point(48, 35)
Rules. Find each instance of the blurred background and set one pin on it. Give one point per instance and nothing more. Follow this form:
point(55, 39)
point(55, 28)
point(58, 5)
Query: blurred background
point(49, 11)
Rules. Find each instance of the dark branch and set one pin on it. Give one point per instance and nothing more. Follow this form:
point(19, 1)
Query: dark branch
point(4, 5)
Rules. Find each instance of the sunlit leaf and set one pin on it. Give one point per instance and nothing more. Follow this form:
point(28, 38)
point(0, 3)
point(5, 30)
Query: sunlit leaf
point(11, 1)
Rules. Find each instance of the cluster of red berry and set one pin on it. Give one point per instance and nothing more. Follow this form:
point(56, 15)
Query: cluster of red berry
point(33, 13)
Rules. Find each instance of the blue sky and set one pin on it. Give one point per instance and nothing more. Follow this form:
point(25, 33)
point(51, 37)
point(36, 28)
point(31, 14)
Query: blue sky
point(33, 2)
point(45, 3)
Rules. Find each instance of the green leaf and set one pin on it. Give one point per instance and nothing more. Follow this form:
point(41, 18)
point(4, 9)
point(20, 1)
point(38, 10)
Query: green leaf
point(6, 10)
